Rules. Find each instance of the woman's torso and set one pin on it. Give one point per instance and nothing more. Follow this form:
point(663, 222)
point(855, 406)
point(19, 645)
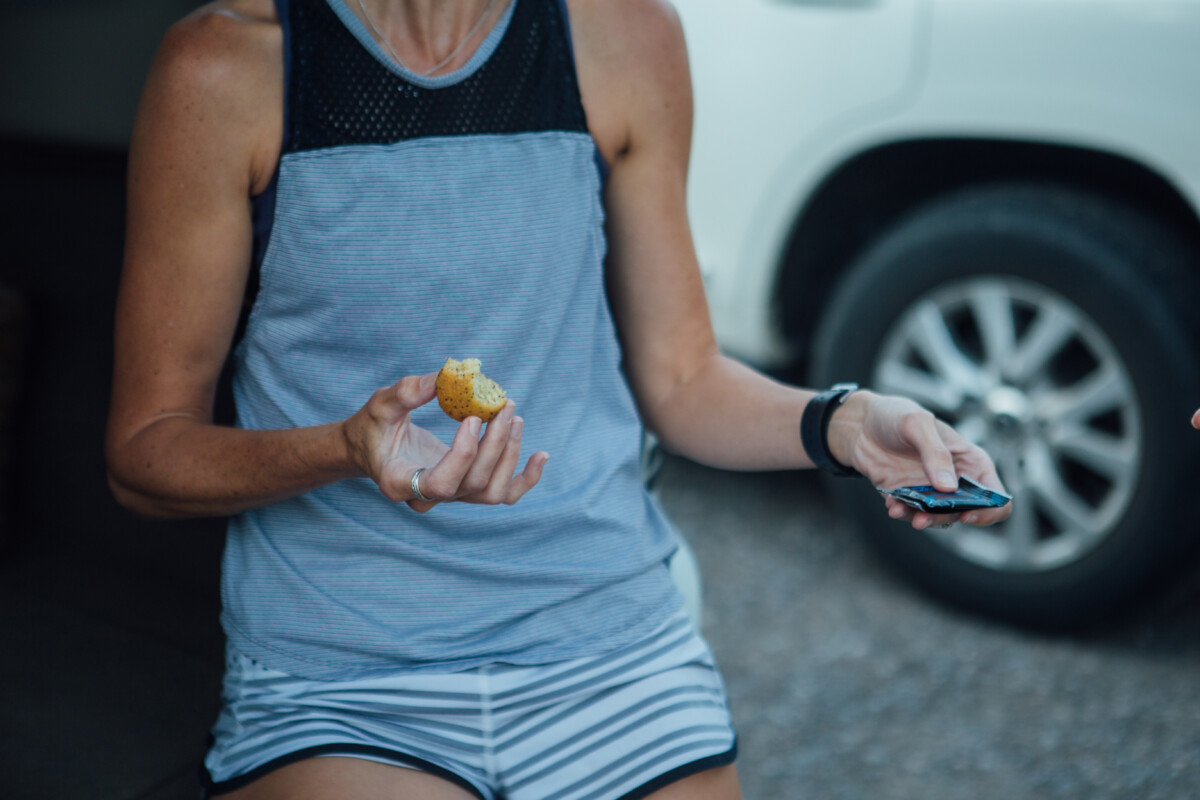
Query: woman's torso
point(411, 220)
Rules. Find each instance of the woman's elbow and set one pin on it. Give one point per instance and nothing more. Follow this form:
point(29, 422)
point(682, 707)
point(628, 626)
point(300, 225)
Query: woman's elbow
point(139, 502)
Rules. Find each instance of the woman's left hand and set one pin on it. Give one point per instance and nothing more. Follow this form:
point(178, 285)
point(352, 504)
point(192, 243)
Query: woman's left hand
point(894, 442)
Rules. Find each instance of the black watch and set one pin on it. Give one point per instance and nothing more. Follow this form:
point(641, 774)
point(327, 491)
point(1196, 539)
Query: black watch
point(814, 428)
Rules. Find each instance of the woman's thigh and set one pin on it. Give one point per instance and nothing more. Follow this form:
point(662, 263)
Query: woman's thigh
point(346, 778)
point(713, 784)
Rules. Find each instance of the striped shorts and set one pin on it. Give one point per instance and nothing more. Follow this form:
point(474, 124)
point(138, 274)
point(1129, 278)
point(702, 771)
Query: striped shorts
point(617, 726)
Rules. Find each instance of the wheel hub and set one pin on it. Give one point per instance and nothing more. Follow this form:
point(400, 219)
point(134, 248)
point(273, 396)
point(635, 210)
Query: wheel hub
point(1008, 412)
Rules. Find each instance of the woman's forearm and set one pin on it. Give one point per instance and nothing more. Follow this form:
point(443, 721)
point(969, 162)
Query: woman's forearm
point(729, 416)
point(182, 467)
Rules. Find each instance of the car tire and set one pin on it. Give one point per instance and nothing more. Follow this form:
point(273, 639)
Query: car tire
point(1057, 329)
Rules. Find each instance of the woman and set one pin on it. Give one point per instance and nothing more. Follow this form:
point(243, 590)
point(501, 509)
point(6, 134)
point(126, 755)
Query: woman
point(407, 180)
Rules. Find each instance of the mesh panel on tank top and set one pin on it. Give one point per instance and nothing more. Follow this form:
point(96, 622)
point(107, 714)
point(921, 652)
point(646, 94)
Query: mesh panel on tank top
point(341, 94)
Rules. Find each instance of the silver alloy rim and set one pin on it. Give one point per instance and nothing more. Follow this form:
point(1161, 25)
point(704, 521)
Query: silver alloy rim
point(1026, 374)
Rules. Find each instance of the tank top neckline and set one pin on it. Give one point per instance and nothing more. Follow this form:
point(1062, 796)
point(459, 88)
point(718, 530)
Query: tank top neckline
point(477, 59)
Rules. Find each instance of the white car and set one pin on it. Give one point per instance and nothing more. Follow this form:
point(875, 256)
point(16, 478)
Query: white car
point(990, 206)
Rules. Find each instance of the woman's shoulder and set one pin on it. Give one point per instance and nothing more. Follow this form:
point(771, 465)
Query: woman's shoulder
point(218, 77)
point(632, 63)
point(222, 39)
point(630, 29)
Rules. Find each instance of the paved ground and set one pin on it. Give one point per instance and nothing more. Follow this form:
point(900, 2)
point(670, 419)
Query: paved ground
point(846, 684)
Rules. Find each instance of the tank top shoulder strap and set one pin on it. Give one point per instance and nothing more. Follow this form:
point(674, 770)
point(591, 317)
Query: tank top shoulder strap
point(262, 205)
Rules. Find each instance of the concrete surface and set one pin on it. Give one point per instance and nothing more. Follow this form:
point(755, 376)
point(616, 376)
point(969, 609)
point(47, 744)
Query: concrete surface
point(847, 684)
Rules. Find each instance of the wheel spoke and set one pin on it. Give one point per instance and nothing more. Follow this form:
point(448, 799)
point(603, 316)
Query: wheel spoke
point(928, 390)
point(1050, 331)
point(1073, 516)
point(991, 304)
point(1105, 389)
point(1107, 455)
point(933, 340)
point(973, 428)
point(1020, 533)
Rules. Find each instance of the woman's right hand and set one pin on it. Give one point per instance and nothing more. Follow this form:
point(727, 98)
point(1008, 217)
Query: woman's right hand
point(388, 448)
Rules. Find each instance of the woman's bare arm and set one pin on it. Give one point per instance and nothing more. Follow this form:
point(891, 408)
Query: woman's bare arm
point(206, 138)
point(637, 88)
point(201, 145)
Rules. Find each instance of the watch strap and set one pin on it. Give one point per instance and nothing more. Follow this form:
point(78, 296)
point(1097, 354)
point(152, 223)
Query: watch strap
point(814, 428)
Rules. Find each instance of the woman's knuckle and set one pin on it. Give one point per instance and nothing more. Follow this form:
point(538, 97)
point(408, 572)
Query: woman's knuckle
point(474, 485)
point(437, 488)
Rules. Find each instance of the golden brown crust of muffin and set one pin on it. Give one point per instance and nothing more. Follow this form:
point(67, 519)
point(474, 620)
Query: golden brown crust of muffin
point(462, 391)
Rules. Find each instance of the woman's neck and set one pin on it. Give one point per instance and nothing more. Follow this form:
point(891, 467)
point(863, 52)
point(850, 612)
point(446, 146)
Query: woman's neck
point(429, 36)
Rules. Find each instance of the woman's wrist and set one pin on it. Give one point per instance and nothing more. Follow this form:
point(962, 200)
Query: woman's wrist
point(845, 425)
point(349, 455)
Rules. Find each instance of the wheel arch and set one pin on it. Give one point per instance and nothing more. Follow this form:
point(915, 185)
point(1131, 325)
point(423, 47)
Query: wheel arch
point(870, 191)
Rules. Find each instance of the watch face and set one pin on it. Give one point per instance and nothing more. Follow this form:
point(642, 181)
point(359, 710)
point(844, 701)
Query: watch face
point(843, 387)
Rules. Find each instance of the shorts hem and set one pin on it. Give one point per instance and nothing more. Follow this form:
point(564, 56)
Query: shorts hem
point(683, 771)
point(211, 788)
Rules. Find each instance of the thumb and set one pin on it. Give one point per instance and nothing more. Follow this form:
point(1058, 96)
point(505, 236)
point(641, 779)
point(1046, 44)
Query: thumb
point(416, 390)
point(936, 457)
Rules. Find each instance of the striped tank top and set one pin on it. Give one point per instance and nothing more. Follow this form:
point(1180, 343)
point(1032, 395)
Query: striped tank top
point(411, 219)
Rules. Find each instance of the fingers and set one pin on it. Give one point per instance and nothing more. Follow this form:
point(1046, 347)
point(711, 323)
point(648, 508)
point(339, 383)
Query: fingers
point(480, 470)
point(528, 477)
point(441, 482)
point(921, 520)
point(987, 517)
point(495, 490)
point(502, 485)
point(496, 443)
point(925, 434)
point(944, 454)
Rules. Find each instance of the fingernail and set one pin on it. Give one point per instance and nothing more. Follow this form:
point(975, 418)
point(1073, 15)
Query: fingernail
point(474, 424)
point(947, 479)
point(518, 426)
point(970, 519)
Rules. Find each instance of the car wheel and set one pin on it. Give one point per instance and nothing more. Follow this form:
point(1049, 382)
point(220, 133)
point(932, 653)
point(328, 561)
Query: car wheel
point(1057, 330)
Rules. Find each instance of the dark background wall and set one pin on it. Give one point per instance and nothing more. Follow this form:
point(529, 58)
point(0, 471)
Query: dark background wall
point(70, 75)
point(63, 208)
point(71, 70)
point(110, 671)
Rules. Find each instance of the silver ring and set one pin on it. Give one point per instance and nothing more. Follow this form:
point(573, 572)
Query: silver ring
point(415, 485)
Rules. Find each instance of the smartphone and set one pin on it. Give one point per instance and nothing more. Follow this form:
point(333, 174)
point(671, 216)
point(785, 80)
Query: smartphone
point(970, 496)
